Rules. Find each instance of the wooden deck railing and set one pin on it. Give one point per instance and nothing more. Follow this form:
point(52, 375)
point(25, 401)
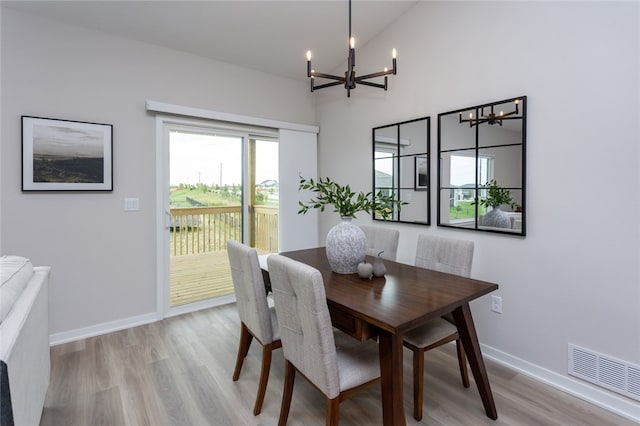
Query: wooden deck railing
point(265, 232)
point(207, 229)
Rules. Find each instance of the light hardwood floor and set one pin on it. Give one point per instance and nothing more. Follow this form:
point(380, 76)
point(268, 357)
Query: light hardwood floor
point(178, 372)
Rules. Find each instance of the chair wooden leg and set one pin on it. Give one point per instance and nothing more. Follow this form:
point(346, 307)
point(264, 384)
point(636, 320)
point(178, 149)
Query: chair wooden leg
point(418, 385)
point(287, 393)
point(243, 349)
point(333, 411)
point(264, 378)
point(462, 362)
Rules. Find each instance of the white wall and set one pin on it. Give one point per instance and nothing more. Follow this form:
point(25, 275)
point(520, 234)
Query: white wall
point(297, 157)
point(102, 258)
point(576, 276)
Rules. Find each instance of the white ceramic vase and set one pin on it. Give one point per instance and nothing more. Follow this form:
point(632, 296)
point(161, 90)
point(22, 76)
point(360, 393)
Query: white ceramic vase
point(345, 247)
point(497, 219)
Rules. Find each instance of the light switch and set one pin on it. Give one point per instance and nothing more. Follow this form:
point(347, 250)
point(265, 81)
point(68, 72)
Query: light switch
point(131, 204)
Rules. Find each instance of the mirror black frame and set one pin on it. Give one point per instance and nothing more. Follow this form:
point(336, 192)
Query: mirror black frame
point(483, 139)
point(403, 143)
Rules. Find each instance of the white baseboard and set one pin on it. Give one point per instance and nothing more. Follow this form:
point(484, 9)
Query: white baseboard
point(620, 405)
point(104, 328)
point(110, 327)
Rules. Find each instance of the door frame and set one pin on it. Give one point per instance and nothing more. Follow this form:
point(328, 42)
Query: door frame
point(164, 124)
point(297, 144)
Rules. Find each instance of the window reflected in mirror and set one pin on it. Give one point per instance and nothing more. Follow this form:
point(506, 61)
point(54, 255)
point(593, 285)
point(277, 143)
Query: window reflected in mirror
point(481, 168)
point(401, 168)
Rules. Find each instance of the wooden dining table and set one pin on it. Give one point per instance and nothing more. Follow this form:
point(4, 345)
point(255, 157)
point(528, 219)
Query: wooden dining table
point(387, 307)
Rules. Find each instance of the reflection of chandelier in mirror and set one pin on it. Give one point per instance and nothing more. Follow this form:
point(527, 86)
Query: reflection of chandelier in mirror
point(350, 79)
point(492, 117)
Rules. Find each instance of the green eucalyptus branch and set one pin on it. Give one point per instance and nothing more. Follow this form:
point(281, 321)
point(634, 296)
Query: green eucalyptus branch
point(495, 197)
point(344, 201)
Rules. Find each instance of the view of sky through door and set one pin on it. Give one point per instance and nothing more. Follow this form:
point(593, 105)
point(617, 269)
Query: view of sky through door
point(215, 160)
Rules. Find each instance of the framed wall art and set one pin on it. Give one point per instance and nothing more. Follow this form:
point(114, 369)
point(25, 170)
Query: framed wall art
point(63, 155)
point(421, 180)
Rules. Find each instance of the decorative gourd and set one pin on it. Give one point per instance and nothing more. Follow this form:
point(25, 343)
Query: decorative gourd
point(365, 269)
point(378, 266)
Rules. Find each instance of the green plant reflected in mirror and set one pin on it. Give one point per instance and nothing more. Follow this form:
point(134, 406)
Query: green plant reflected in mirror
point(481, 167)
point(401, 168)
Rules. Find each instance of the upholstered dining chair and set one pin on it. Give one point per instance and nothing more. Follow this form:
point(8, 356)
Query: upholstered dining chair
point(257, 319)
point(380, 238)
point(338, 366)
point(452, 256)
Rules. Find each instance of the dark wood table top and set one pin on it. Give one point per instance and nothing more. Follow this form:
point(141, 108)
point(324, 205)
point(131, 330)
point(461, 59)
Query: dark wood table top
point(404, 298)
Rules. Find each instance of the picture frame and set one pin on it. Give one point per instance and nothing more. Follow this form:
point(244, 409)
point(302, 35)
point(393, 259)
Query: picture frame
point(421, 178)
point(65, 155)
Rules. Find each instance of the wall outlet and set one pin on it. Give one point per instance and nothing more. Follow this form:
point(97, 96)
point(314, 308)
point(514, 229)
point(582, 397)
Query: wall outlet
point(496, 304)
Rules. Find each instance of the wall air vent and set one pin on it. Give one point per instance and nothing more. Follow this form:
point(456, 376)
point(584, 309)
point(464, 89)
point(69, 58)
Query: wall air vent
point(610, 373)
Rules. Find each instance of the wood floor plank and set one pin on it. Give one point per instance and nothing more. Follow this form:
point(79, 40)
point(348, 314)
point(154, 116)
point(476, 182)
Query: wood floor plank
point(172, 402)
point(140, 403)
point(178, 372)
point(105, 408)
point(204, 390)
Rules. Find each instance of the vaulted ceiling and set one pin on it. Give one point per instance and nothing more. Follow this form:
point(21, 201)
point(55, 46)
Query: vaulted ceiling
point(271, 36)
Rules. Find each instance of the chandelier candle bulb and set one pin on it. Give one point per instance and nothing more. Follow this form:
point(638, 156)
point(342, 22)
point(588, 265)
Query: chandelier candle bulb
point(393, 59)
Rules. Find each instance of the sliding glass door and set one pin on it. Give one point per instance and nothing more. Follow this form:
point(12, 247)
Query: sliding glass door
point(205, 203)
point(220, 184)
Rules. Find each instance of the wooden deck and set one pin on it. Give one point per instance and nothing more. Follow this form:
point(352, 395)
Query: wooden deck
point(199, 264)
point(199, 276)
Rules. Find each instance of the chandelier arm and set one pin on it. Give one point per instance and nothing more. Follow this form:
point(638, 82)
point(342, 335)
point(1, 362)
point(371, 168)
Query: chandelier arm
point(507, 114)
point(497, 116)
point(477, 122)
point(333, 83)
point(368, 83)
point(373, 75)
point(473, 121)
point(328, 76)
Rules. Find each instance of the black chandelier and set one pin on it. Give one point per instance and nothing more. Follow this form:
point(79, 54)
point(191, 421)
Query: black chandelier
point(490, 118)
point(350, 79)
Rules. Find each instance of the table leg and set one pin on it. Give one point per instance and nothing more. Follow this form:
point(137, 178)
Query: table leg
point(467, 332)
point(391, 350)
